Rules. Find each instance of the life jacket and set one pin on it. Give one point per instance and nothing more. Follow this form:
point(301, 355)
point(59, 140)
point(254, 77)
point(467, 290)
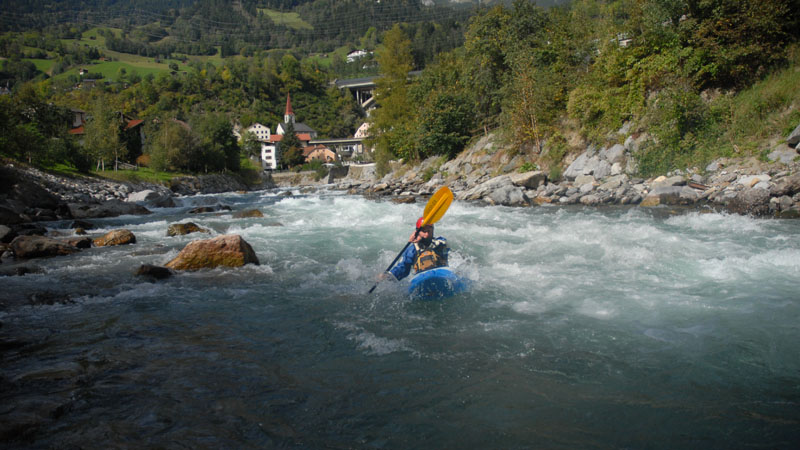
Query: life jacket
point(432, 256)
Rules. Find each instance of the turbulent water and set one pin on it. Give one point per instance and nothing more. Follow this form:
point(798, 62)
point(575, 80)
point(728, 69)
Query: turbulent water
point(585, 328)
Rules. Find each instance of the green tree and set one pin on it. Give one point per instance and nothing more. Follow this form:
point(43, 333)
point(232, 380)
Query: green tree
point(219, 146)
point(391, 121)
point(172, 146)
point(102, 133)
point(250, 145)
point(291, 149)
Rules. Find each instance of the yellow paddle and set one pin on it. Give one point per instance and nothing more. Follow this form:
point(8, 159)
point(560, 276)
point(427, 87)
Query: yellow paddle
point(434, 210)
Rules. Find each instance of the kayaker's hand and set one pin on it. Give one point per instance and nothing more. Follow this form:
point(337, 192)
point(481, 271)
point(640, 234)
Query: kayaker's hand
point(385, 276)
point(415, 237)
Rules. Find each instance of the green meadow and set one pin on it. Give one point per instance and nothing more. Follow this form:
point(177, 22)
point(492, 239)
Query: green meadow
point(290, 19)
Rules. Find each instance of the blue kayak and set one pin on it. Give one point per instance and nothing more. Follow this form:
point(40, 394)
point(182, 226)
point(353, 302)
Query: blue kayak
point(440, 282)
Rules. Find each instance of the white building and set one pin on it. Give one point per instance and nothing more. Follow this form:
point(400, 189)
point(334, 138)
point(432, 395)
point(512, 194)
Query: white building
point(260, 131)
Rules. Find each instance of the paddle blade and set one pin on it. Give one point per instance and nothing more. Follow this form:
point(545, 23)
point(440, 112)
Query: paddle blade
point(437, 205)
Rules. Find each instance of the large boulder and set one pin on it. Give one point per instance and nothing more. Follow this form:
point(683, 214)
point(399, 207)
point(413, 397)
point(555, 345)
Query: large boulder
point(794, 137)
point(230, 250)
point(39, 246)
point(787, 186)
point(115, 237)
point(753, 202)
point(529, 180)
point(670, 195)
point(110, 208)
point(154, 198)
point(508, 195)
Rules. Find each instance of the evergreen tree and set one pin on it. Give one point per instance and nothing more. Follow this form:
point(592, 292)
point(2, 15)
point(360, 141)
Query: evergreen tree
point(291, 149)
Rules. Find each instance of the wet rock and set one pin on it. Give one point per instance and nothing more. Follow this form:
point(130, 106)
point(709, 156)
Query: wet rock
point(670, 195)
point(18, 270)
point(404, 199)
point(180, 229)
point(115, 237)
point(155, 272)
point(29, 229)
point(111, 208)
point(79, 242)
point(753, 202)
point(10, 217)
point(6, 234)
point(154, 198)
point(83, 224)
point(792, 213)
point(208, 209)
point(228, 251)
point(248, 213)
point(40, 246)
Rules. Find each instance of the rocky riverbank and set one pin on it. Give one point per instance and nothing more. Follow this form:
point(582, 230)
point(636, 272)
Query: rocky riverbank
point(486, 172)
point(600, 176)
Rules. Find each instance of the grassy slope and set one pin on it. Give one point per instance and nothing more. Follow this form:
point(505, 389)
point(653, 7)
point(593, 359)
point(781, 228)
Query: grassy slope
point(290, 19)
point(141, 65)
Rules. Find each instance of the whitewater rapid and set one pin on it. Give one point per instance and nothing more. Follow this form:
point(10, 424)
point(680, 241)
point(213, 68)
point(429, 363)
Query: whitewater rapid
point(585, 327)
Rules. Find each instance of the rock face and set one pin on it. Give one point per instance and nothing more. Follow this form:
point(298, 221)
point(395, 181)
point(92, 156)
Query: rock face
point(39, 246)
point(228, 251)
point(180, 229)
point(115, 237)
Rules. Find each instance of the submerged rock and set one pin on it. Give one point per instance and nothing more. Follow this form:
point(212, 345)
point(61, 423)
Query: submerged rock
point(229, 251)
point(247, 213)
point(181, 229)
point(115, 237)
point(39, 246)
point(79, 242)
point(156, 272)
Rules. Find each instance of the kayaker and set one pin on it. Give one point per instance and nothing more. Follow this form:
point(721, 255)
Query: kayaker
point(426, 253)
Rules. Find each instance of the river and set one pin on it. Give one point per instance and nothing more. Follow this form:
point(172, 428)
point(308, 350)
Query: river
point(585, 328)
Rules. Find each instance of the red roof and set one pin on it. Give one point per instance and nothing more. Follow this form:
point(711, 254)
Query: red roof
point(78, 130)
point(302, 136)
point(133, 123)
point(289, 111)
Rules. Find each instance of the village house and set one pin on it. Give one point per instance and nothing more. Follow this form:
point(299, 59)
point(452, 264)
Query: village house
point(131, 132)
point(270, 149)
point(319, 152)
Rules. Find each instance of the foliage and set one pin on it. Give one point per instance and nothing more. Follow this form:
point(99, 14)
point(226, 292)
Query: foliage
point(291, 149)
point(250, 145)
point(33, 130)
point(218, 146)
point(172, 147)
point(391, 121)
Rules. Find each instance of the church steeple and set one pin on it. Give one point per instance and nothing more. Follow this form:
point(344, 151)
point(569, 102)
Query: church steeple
point(289, 114)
